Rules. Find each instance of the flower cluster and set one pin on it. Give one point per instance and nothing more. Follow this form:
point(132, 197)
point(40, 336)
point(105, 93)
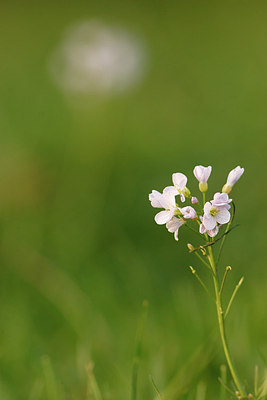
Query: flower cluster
point(209, 218)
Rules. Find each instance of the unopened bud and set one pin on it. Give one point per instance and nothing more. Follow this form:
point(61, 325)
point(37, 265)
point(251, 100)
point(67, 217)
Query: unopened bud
point(203, 187)
point(227, 188)
point(250, 396)
point(194, 200)
point(186, 192)
point(190, 247)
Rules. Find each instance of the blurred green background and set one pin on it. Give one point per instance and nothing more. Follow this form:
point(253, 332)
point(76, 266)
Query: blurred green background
point(79, 248)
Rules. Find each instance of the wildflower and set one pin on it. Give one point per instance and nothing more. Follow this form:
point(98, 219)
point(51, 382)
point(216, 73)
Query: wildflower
point(221, 200)
point(188, 212)
point(173, 226)
point(214, 214)
point(180, 181)
point(164, 200)
point(211, 232)
point(232, 178)
point(194, 200)
point(202, 174)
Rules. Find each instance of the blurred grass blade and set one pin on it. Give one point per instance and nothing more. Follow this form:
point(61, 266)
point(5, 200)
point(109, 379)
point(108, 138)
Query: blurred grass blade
point(188, 373)
point(201, 391)
point(138, 349)
point(156, 388)
point(256, 380)
point(223, 370)
point(263, 387)
point(37, 390)
point(93, 391)
point(50, 381)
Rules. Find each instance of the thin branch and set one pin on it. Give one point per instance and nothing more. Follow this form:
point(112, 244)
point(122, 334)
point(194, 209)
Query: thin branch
point(233, 296)
point(203, 261)
point(201, 282)
point(216, 240)
point(227, 269)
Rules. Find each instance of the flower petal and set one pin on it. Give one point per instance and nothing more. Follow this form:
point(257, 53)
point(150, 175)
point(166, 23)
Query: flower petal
point(174, 224)
point(214, 231)
point(234, 175)
point(223, 216)
point(169, 194)
point(202, 229)
point(207, 207)
point(179, 180)
point(221, 199)
point(209, 222)
point(182, 197)
point(163, 217)
point(188, 212)
point(202, 173)
point(156, 199)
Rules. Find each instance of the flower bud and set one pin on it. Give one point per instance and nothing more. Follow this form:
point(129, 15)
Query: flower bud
point(232, 178)
point(186, 192)
point(190, 247)
point(194, 200)
point(203, 187)
point(226, 189)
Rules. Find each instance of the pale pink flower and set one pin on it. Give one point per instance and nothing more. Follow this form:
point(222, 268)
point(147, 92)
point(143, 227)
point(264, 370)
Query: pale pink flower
point(232, 178)
point(221, 200)
point(214, 214)
point(194, 200)
point(213, 232)
point(202, 174)
point(188, 212)
point(164, 200)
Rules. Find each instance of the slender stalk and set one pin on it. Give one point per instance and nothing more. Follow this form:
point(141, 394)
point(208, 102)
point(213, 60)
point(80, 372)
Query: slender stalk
point(222, 327)
point(203, 261)
point(233, 296)
point(194, 272)
point(227, 269)
point(204, 198)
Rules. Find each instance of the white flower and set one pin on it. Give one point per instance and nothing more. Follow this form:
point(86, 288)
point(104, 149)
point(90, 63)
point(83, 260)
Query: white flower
point(180, 181)
point(194, 200)
point(173, 226)
point(232, 178)
point(164, 200)
point(213, 232)
point(221, 200)
point(213, 215)
point(188, 212)
point(202, 174)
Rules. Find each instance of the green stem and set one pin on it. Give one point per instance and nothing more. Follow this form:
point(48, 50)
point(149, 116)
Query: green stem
point(203, 261)
point(204, 199)
point(222, 327)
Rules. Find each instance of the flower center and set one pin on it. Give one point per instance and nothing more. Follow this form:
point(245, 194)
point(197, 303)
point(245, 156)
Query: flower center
point(213, 211)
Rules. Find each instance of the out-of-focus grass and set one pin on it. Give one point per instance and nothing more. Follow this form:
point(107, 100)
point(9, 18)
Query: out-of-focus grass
point(79, 248)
